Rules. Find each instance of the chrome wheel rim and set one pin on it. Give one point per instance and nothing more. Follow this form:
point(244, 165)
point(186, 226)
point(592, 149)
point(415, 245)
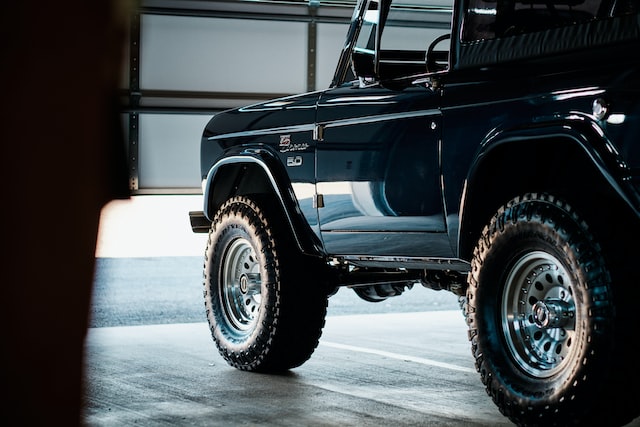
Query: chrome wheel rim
point(539, 322)
point(241, 285)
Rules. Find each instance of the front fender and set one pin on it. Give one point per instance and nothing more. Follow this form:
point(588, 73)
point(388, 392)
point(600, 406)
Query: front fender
point(257, 170)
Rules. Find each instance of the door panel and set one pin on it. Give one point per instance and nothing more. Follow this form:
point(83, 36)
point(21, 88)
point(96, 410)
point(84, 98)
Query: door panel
point(378, 169)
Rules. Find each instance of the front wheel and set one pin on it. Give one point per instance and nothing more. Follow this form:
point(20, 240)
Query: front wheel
point(265, 308)
point(541, 319)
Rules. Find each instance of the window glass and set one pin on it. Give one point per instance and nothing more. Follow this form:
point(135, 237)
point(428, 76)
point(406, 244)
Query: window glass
point(414, 24)
point(410, 27)
point(367, 36)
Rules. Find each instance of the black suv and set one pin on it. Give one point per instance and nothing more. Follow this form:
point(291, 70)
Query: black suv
point(498, 160)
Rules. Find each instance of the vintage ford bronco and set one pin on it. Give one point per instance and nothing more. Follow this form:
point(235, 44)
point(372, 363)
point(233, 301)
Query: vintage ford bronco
point(498, 159)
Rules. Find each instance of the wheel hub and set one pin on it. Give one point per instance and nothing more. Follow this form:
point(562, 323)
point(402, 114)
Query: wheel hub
point(244, 284)
point(249, 283)
point(552, 313)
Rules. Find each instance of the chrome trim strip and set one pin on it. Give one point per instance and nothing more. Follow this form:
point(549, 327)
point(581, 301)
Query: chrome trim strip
point(455, 264)
point(380, 118)
point(311, 127)
point(270, 131)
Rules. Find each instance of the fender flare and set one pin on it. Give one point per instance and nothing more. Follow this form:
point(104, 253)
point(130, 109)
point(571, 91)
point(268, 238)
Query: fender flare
point(279, 183)
point(581, 131)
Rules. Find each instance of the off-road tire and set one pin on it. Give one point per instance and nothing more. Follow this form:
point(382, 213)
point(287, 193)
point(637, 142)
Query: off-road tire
point(264, 301)
point(537, 258)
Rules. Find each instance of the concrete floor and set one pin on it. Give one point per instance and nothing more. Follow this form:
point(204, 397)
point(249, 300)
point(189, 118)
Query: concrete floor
point(382, 369)
point(376, 369)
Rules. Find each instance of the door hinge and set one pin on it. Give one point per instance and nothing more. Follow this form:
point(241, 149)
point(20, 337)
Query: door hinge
point(318, 132)
point(318, 201)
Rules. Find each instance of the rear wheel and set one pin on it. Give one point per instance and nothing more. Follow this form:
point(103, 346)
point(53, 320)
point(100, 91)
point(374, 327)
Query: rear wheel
point(264, 304)
point(541, 318)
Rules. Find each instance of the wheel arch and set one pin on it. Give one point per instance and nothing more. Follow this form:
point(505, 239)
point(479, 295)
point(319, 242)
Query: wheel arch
point(583, 167)
point(257, 171)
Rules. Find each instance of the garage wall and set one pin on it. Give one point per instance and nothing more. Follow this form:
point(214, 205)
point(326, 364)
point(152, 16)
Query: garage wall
point(210, 55)
point(216, 54)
